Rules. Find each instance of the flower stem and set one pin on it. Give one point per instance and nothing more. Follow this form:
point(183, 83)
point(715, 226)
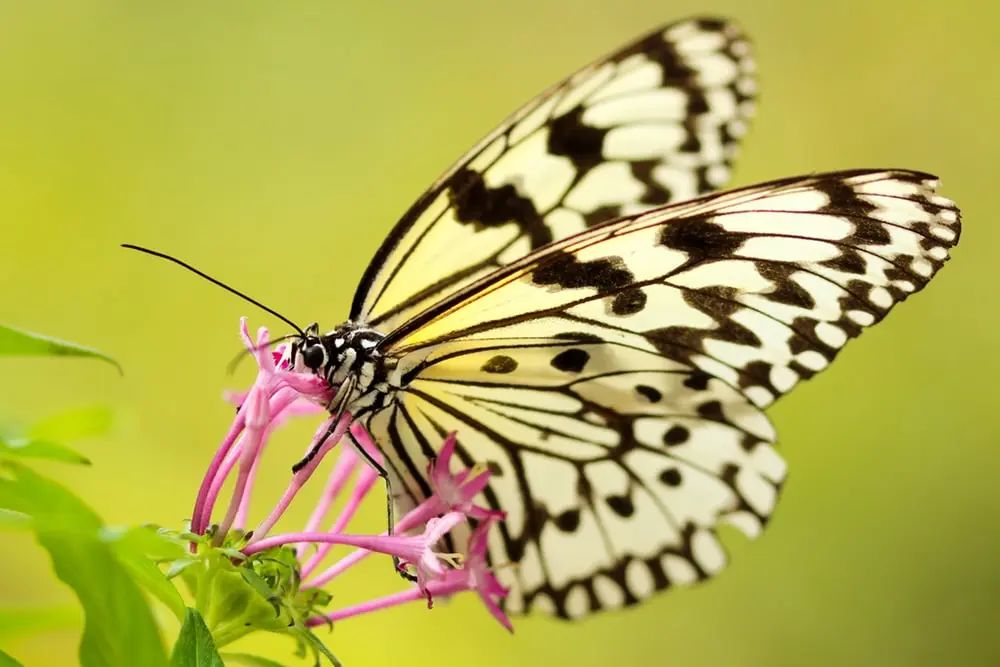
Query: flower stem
point(436, 589)
point(346, 464)
point(329, 438)
point(415, 517)
point(371, 542)
point(366, 479)
point(202, 505)
point(252, 443)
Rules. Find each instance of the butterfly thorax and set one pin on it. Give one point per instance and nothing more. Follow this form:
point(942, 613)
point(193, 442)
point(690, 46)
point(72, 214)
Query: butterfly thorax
point(346, 356)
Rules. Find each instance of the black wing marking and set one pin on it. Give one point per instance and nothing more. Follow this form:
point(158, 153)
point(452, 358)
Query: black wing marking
point(656, 122)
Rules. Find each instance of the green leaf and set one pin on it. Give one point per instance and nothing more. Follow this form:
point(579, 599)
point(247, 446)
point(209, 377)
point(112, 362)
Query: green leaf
point(195, 646)
point(136, 549)
point(16, 342)
point(248, 660)
point(10, 520)
point(19, 621)
point(119, 628)
point(44, 439)
point(178, 566)
point(7, 661)
point(257, 583)
point(39, 449)
point(50, 506)
point(319, 648)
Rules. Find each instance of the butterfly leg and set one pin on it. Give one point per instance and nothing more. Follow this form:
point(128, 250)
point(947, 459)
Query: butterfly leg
point(389, 509)
point(336, 409)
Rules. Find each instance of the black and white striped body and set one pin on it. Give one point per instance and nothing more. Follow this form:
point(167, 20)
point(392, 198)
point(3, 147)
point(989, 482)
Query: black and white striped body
point(348, 359)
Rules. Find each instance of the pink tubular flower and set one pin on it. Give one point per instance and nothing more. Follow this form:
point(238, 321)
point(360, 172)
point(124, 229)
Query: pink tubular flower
point(452, 493)
point(275, 393)
point(418, 551)
point(456, 491)
point(474, 575)
point(281, 392)
point(415, 550)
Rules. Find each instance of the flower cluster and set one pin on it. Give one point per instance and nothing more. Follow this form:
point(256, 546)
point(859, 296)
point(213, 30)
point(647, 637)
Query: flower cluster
point(281, 392)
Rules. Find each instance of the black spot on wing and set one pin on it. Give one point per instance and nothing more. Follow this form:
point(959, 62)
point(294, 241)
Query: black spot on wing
point(500, 363)
point(578, 337)
point(570, 137)
point(651, 394)
point(697, 380)
point(568, 521)
point(621, 505)
point(848, 261)
point(628, 302)
point(869, 232)
point(662, 52)
point(716, 301)
point(712, 410)
point(681, 342)
point(676, 435)
point(677, 343)
point(571, 361)
point(711, 24)
point(671, 477)
point(700, 238)
point(656, 194)
point(692, 144)
point(479, 205)
point(601, 214)
point(565, 270)
point(697, 102)
point(758, 373)
point(843, 199)
point(786, 290)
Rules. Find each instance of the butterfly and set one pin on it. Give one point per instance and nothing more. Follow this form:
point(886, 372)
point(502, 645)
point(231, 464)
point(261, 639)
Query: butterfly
point(604, 332)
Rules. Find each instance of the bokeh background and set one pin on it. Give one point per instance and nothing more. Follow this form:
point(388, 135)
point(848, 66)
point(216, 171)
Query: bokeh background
point(274, 144)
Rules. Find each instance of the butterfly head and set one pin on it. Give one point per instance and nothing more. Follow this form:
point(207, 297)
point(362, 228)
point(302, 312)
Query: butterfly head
point(338, 353)
point(309, 350)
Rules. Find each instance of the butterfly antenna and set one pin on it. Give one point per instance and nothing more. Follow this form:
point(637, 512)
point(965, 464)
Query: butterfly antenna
point(218, 282)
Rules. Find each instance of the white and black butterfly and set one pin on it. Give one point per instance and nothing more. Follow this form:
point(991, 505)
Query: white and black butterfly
point(604, 335)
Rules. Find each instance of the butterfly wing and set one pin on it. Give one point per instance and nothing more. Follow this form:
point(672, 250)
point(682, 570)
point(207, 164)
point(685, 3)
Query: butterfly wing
point(613, 464)
point(656, 122)
point(615, 381)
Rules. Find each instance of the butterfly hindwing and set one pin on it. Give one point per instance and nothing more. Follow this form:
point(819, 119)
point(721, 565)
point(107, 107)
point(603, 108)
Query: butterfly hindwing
point(614, 380)
point(656, 122)
point(612, 463)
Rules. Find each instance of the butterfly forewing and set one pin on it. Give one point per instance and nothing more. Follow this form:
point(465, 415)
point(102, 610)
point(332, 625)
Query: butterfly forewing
point(653, 123)
point(614, 381)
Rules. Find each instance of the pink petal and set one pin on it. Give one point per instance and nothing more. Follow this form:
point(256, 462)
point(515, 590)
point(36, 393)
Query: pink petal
point(441, 466)
point(438, 528)
point(496, 611)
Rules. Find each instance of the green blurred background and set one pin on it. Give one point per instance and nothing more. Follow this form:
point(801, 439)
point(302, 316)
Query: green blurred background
point(274, 144)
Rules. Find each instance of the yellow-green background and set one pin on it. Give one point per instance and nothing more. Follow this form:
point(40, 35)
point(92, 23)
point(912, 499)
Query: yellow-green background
point(274, 143)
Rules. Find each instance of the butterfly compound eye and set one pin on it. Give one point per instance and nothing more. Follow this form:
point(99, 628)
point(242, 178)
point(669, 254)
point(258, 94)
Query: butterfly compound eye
point(314, 356)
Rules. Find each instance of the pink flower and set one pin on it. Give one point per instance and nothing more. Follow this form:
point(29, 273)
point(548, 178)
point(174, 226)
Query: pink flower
point(456, 491)
point(281, 392)
point(418, 551)
point(274, 395)
point(476, 575)
point(415, 550)
point(453, 492)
